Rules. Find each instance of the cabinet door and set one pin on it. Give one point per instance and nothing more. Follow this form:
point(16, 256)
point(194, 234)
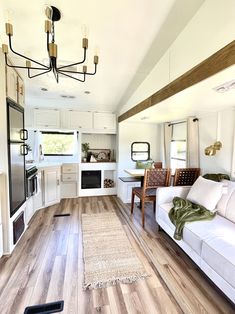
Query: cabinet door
point(38, 199)
point(52, 186)
point(104, 121)
point(21, 92)
point(47, 118)
point(29, 210)
point(80, 119)
point(12, 84)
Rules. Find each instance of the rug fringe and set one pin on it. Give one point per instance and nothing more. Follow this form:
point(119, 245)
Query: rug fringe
point(112, 282)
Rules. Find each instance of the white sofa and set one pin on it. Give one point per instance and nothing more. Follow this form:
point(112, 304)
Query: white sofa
point(210, 244)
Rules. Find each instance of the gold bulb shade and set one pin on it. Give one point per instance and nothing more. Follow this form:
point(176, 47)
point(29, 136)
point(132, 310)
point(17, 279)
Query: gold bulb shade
point(96, 59)
point(48, 26)
point(52, 50)
point(210, 151)
point(28, 64)
point(85, 43)
point(217, 145)
point(9, 29)
point(4, 48)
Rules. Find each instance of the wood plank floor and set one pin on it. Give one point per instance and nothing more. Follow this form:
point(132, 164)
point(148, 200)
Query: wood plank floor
point(47, 266)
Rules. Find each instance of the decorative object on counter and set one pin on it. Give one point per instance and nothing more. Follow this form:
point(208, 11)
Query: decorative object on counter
point(108, 183)
point(93, 159)
point(70, 70)
point(85, 149)
point(100, 154)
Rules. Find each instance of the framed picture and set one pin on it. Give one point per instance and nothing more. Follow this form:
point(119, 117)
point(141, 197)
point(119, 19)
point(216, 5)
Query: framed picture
point(99, 154)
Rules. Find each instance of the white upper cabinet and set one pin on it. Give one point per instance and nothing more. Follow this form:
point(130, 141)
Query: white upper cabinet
point(76, 120)
point(15, 87)
point(80, 120)
point(47, 118)
point(104, 121)
point(12, 84)
point(21, 92)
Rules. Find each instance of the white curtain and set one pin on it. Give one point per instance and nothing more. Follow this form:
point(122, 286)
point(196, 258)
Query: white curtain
point(193, 160)
point(167, 134)
point(37, 154)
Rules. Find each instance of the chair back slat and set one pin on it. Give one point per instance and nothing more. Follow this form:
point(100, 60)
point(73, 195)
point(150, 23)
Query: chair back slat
point(154, 178)
point(186, 176)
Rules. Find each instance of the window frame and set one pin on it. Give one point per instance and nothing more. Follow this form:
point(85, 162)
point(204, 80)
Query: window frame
point(57, 132)
point(134, 151)
point(184, 141)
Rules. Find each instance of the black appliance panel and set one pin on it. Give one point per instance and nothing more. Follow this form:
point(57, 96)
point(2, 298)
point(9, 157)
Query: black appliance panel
point(16, 156)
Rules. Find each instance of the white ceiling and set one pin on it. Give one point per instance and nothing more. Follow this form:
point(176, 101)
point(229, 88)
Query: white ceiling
point(198, 100)
point(125, 32)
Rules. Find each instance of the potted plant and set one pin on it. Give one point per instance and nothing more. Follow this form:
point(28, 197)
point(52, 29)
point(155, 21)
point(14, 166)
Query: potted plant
point(85, 148)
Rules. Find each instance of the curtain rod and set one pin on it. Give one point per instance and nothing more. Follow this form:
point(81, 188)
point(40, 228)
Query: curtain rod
point(174, 123)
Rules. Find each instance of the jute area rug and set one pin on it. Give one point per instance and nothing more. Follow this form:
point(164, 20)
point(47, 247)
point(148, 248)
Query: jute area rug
point(108, 255)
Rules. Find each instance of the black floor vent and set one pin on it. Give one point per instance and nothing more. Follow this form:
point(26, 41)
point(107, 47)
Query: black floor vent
point(61, 215)
point(46, 308)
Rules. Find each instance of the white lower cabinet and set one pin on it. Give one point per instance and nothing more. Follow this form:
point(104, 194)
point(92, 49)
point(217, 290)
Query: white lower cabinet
point(29, 210)
point(125, 190)
point(38, 199)
point(69, 180)
point(52, 186)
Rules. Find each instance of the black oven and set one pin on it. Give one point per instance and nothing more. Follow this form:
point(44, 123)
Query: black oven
point(31, 180)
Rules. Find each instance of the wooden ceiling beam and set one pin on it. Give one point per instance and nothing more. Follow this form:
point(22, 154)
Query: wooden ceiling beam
point(217, 62)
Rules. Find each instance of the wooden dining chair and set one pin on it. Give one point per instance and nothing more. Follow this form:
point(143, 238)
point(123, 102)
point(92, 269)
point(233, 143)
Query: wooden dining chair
point(153, 178)
point(158, 165)
point(186, 176)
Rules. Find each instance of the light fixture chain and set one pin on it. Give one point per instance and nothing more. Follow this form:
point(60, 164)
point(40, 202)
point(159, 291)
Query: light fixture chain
point(53, 32)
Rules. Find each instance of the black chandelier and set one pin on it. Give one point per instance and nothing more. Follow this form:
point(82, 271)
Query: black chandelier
point(53, 14)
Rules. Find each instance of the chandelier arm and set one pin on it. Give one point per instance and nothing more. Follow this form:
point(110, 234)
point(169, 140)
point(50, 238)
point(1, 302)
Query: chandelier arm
point(73, 77)
point(19, 66)
point(20, 55)
point(73, 64)
point(93, 72)
point(32, 76)
point(67, 71)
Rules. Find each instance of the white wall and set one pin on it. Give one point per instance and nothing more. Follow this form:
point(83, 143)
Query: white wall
point(222, 161)
point(130, 132)
point(211, 28)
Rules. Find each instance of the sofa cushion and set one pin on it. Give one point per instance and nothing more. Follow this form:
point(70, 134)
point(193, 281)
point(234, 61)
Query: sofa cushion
point(195, 232)
point(206, 193)
point(219, 253)
point(223, 202)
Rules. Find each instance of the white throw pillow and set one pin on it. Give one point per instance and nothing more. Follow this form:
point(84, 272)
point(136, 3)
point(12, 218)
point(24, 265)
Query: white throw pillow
point(206, 193)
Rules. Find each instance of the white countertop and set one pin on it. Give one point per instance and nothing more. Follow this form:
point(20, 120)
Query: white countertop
point(135, 172)
point(41, 165)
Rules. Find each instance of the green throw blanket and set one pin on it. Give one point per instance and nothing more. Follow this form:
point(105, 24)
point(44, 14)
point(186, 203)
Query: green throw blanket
point(185, 211)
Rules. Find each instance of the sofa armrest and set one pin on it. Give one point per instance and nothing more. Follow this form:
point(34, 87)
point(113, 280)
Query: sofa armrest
point(166, 194)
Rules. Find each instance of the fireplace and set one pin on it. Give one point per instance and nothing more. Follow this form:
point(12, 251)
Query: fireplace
point(91, 179)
